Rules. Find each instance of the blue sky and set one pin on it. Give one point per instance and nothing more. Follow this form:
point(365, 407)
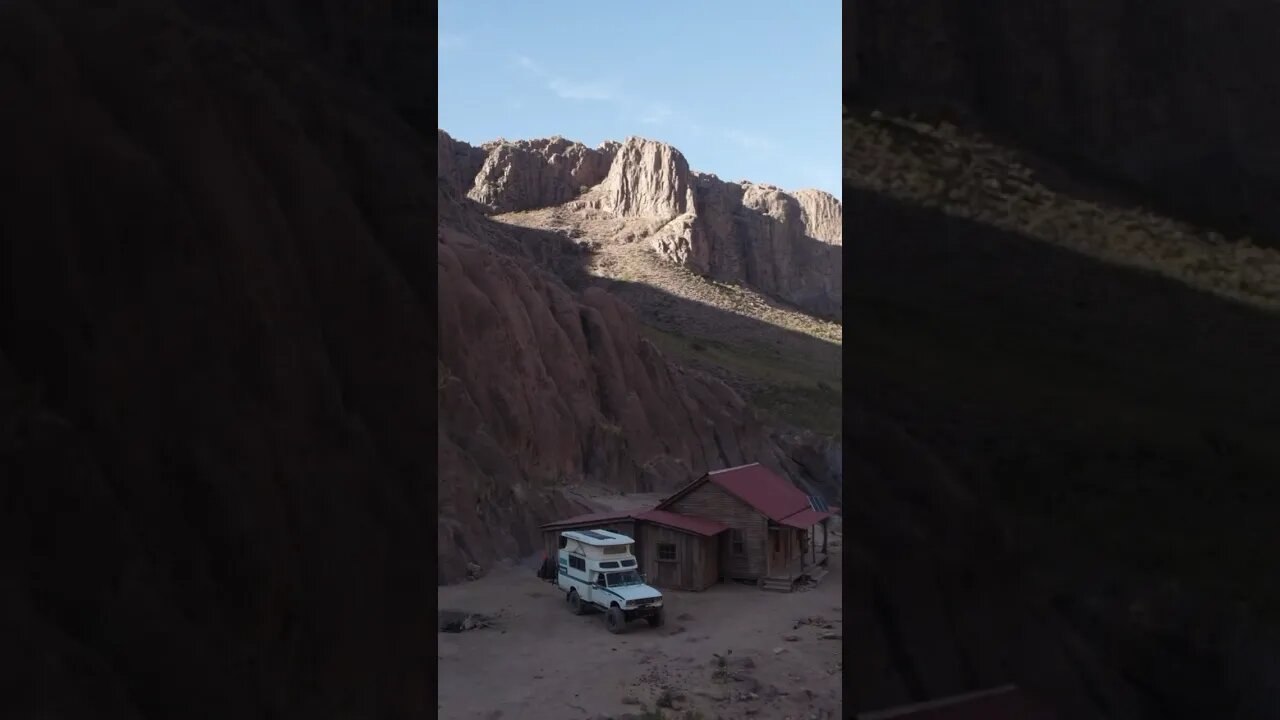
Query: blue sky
point(747, 90)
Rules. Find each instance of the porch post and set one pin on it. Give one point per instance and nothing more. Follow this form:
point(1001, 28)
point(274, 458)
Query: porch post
point(824, 535)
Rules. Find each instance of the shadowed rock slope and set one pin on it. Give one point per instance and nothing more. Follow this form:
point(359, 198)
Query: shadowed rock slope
point(215, 352)
point(1177, 100)
point(1063, 465)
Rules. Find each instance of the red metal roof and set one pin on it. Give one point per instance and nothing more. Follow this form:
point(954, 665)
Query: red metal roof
point(687, 523)
point(589, 518)
point(1006, 703)
point(761, 488)
point(805, 518)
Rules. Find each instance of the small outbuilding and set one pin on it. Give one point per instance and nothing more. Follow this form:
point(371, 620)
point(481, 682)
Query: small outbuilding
point(679, 551)
point(622, 523)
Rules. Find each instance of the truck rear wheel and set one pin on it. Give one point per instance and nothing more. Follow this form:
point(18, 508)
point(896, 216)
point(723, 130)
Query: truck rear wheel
point(575, 602)
point(615, 620)
point(655, 620)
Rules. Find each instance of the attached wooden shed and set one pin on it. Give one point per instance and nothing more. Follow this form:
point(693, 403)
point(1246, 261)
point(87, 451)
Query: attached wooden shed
point(619, 522)
point(679, 552)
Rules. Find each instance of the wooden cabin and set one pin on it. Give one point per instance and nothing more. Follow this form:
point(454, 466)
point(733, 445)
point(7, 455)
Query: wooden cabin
point(772, 536)
point(743, 523)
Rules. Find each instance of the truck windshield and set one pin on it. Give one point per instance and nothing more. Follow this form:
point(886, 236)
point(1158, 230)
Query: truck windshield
point(618, 579)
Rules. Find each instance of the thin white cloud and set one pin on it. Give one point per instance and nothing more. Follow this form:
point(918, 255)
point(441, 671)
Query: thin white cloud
point(748, 141)
point(528, 64)
point(656, 114)
point(582, 90)
point(567, 88)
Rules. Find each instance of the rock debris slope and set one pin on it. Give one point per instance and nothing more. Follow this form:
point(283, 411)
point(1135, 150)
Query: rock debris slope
point(784, 244)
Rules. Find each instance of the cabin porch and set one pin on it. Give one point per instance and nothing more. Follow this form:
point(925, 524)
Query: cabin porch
point(793, 553)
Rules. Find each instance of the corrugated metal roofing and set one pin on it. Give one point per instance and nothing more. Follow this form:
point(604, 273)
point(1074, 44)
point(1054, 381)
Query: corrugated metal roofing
point(1004, 703)
point(696, 525)
point(805, 518)
point(761, 488)
point(589, 519)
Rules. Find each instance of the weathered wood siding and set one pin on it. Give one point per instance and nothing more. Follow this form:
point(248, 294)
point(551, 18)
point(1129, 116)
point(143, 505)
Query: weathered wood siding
point(710, 547)
point(713, 502)
point(696, 566)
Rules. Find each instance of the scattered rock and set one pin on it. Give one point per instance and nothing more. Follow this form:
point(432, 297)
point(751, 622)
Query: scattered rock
point(830, 636)
point(630, 700)
point(456, 621)
point(474, 571)
point(779, 650)
point(790, 638)
point(684, 616)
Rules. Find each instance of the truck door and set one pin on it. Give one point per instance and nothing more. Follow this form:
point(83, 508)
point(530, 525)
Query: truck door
point(598, 595)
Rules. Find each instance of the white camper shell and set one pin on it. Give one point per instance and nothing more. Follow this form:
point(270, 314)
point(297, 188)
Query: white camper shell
point(597, 569)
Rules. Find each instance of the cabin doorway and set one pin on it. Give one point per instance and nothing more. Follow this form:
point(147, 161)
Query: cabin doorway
point(668, 566)
point(778, 547)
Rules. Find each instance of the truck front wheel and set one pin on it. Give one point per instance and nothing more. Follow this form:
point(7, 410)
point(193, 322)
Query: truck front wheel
point(575, 602)
point(616, 620)
point(655, 620)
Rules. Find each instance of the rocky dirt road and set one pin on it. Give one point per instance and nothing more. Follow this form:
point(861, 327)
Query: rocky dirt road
point(781, 654)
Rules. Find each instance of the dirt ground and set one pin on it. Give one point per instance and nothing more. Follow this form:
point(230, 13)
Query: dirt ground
point(539, 661)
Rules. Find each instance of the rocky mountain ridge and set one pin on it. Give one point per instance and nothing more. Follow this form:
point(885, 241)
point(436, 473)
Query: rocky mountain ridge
point(784, 244)
point(541, 386)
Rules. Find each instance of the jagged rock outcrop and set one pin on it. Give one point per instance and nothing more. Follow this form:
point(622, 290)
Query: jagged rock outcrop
point(536, 173)
point(1091, 83)
point(822, 214)
point(758, 235)
point(457, 162)
point(648, 179)
point(784, 244)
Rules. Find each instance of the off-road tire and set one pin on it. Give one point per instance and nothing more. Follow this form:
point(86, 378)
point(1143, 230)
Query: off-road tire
point(575, 603)
point(656, 619)
point(615, 620)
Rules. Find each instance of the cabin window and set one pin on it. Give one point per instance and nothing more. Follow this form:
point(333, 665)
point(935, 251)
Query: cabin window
point(577, 563)
point(739, 545)
point(666, 551)
point(628, 563)
point(617, 549)
point(609, 565)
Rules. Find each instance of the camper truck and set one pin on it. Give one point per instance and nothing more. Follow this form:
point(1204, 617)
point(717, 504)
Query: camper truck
point(597, 569)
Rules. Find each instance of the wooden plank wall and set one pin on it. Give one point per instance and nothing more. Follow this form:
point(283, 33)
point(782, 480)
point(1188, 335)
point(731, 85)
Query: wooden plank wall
point(690, 561)
point(715, 503)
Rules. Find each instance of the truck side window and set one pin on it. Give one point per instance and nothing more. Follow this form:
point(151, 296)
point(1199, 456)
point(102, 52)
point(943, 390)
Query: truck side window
point(577, 563)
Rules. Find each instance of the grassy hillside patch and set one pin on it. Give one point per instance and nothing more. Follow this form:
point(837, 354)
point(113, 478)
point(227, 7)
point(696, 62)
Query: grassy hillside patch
point(965, 174)
point(798, 388)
